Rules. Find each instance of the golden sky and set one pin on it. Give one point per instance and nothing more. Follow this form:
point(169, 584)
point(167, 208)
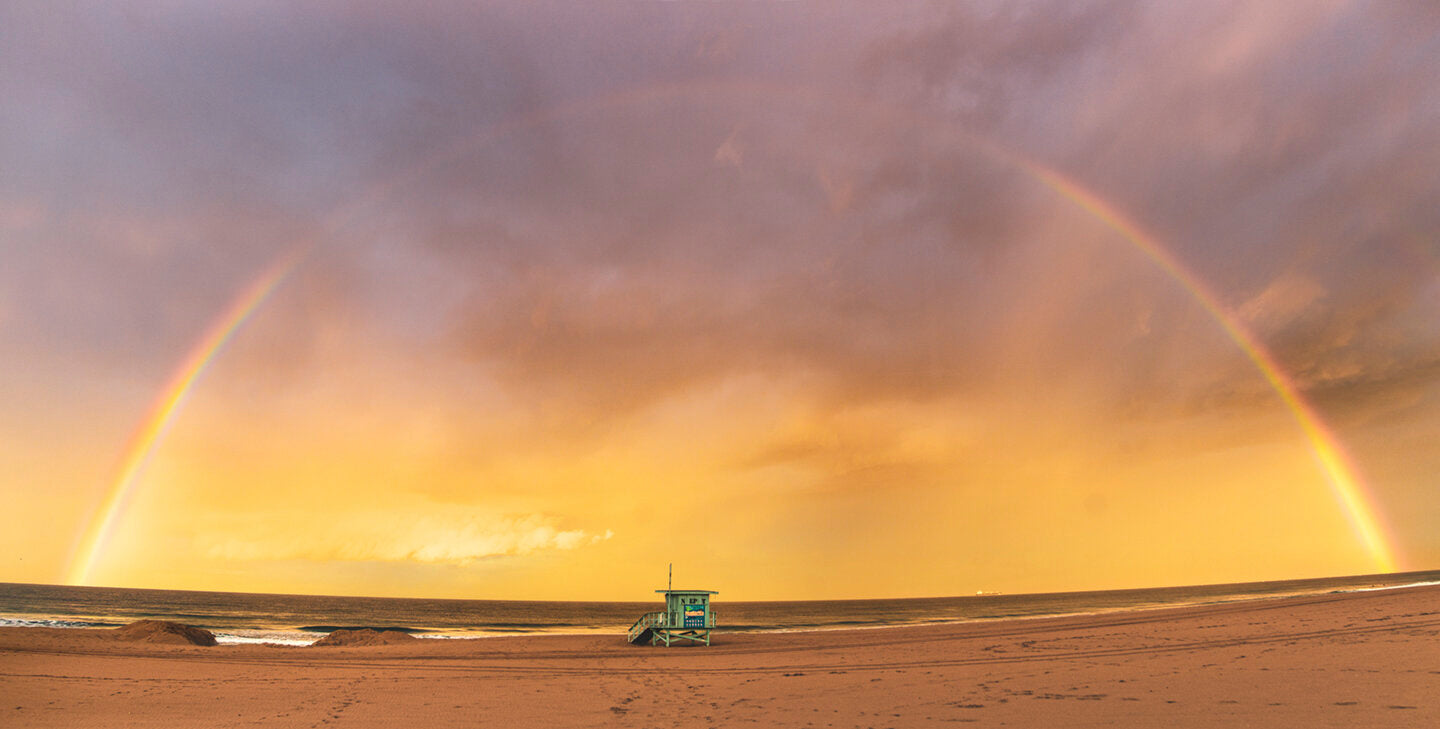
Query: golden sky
point(770, 291)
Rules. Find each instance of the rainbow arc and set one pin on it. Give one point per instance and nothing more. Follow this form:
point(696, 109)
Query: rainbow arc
point(1339, 471)
point(1336, 465)
point(141, 446)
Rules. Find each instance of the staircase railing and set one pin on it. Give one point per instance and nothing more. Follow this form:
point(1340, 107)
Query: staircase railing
point(646, 622)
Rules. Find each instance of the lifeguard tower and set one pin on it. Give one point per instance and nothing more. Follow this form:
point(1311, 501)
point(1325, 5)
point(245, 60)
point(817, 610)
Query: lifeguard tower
point(687, 617)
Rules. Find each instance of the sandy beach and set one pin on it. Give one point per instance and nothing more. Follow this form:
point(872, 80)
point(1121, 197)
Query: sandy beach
point(1343, 660)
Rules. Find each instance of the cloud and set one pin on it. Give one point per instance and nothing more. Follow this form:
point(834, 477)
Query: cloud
point(543, 228)
point(1285, 299)
point(455, 536)
point(605, 252)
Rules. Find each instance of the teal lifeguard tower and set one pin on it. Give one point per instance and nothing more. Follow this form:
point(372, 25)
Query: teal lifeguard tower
point(687, 617)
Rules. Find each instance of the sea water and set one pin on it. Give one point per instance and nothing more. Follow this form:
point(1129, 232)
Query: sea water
point(302, 619)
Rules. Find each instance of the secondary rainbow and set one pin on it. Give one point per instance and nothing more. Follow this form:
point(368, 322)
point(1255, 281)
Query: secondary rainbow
point(1336, 465)
point(161, 415)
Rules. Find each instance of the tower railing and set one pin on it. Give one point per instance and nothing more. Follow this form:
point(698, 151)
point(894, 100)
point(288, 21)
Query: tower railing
point(665, 620)
point(646, 622)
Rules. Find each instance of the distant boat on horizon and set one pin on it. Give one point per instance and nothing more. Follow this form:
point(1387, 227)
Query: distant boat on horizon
point(983, 593)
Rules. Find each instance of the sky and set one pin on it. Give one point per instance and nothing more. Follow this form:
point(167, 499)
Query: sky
point(811, 299)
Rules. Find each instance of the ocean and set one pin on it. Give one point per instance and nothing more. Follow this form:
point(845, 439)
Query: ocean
point(302, 619)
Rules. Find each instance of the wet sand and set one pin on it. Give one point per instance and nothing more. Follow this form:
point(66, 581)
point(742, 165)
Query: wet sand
point(1345, 660)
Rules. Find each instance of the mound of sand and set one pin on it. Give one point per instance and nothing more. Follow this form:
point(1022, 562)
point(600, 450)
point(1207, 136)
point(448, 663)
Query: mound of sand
point(364, 636)
point(162, 631)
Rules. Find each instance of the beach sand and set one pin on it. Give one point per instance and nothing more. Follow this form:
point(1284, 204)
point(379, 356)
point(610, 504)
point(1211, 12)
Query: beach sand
point(1344, 660)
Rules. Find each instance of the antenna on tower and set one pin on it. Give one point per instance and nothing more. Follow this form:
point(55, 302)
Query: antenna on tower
point(670, 578)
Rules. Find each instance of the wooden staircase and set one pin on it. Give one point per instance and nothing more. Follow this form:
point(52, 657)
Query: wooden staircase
point(643, 631)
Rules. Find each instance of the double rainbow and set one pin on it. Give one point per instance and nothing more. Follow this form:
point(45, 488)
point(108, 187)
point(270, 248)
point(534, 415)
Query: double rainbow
point(1340, 473)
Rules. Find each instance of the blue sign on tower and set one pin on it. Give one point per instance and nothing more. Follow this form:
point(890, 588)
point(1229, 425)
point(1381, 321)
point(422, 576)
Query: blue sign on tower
point(694, 616)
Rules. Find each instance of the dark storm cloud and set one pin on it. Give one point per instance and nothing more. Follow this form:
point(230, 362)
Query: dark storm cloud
point(1259, 143)
point(760, 248)
point(674, 238)
point(642, 266)
point(1321, 176)
point(163, 156)
point(623, 201)
point(994, 66)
